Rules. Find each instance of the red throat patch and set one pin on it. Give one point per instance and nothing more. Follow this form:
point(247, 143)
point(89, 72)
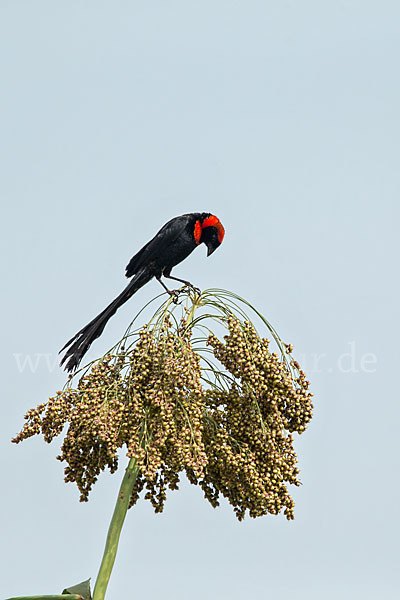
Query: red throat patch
point(197, 232)
point(213, 221)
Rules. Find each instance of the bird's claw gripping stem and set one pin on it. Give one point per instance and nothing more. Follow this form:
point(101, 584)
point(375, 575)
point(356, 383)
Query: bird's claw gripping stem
point(174, 295)
point(196, 290)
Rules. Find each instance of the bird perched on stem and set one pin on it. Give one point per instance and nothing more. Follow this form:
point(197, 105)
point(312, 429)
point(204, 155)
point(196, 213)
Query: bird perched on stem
point(170, 246)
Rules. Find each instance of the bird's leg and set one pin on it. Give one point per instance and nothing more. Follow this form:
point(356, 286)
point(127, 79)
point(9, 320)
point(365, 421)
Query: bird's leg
point(174, 293)
point(187, 283)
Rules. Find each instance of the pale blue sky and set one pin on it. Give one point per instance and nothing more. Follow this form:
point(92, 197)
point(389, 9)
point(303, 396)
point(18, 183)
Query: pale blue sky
point(283, 119)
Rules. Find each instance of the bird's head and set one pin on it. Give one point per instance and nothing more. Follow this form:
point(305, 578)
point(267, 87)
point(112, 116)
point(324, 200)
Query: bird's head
point(209, 230)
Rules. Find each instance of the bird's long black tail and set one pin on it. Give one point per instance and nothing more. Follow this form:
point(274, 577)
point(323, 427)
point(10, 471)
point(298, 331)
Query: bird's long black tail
point(80, 343)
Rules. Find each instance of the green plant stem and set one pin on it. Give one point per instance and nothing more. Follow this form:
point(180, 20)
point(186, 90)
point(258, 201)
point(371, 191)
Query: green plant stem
point(196, 303)
point(114, 530)
point(120, 510)
point(50, 597)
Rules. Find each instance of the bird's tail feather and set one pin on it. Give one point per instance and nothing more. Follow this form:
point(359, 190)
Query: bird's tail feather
point(79, 344)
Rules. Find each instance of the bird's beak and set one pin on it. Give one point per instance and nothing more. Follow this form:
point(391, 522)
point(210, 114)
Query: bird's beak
point(210, 250)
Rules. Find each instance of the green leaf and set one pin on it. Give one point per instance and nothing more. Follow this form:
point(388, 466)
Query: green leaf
point(81, 588)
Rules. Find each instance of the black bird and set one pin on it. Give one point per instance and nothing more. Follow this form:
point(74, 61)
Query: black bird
point(170, 246)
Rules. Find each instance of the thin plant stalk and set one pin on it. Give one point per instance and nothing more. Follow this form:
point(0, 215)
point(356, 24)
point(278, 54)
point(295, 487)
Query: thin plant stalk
point(114, 531)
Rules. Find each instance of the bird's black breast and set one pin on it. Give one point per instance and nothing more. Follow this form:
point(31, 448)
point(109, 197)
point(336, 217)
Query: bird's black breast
point(172, 244)
point(177, 251)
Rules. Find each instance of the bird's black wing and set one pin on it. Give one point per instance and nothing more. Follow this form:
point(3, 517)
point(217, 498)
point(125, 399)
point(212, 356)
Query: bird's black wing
point(155, 247)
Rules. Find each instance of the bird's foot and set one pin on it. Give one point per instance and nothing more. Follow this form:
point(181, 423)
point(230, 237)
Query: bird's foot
point(194, 289)
point(197, 290)
point(174, 295)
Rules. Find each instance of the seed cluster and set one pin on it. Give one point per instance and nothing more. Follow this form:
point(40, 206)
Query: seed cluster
point(250, 452)
point(233, 440)
point(149, 399)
